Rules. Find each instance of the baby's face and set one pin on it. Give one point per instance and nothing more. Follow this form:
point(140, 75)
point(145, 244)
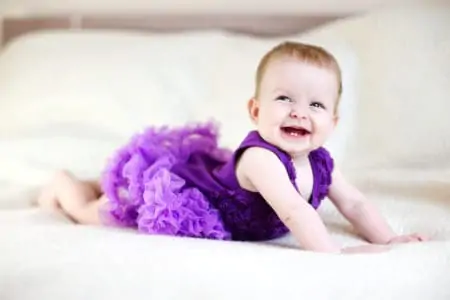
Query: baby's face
point(295, 109)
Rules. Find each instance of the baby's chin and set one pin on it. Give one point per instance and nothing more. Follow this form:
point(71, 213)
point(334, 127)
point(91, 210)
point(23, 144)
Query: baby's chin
point(295, 150)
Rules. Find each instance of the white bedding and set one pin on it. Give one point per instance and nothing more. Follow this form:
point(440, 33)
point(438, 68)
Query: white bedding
point(67, 99)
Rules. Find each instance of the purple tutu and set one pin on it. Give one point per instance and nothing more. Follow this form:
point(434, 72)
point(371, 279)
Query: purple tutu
point(146, 194)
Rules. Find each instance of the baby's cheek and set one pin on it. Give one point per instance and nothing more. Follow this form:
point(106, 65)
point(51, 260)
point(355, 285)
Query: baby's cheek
point(323, 130)
point(324, 122)
point(278, 113)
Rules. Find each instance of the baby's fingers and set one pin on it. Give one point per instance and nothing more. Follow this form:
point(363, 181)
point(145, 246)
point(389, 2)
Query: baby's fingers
point(420, 237)
point(415, 237)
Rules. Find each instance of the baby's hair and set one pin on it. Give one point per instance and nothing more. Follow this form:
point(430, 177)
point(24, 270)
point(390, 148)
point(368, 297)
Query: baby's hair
point(308, 53)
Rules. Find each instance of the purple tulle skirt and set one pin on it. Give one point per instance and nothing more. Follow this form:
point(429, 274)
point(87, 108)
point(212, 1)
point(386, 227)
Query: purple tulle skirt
point(144, 193)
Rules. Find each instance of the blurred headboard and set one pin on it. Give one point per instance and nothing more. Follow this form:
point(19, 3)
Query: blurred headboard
point(260, 25)
point(256, 17)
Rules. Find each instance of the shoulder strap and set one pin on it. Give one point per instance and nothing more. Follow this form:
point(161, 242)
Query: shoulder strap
point(254, 139)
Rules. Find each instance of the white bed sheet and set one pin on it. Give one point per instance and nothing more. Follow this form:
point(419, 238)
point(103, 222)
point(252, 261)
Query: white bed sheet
point(45, 256)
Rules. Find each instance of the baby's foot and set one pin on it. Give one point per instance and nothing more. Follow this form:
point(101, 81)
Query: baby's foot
point(64, 193)
point(68, 195)
point(47, 198)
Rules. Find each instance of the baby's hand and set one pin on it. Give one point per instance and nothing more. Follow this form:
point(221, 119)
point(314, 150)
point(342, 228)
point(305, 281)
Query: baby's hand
point(415, 237)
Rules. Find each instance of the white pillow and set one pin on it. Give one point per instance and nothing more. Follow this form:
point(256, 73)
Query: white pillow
point(69, 98)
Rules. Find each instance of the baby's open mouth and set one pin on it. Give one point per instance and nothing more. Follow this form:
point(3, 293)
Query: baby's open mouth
point(295, 131)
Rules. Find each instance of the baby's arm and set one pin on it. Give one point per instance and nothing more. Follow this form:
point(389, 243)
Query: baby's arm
point(362, 214)
point(267, 174)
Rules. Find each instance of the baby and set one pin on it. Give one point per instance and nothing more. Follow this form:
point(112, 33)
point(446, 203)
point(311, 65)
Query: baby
point(179, 182)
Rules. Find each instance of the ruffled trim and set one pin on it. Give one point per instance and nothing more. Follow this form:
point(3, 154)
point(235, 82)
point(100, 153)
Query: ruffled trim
point(324, 165)
point(145, 194)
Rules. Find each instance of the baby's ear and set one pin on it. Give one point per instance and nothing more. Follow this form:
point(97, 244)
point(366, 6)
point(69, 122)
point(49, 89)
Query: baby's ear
point(253, 109)
point(335, 120)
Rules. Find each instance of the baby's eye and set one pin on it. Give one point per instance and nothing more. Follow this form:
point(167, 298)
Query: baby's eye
point(317, 104)
point(283, 98)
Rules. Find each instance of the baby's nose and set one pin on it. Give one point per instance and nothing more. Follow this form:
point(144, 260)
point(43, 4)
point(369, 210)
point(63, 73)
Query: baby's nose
point(298, 114)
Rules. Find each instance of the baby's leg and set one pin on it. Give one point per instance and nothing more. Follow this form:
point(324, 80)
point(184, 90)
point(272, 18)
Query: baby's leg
point(80, 200)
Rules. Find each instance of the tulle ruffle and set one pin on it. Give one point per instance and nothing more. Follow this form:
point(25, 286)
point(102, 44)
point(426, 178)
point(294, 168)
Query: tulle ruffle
point(144, 193)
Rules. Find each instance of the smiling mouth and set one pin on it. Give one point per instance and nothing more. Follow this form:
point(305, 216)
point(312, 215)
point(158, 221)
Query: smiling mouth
point(295, 131)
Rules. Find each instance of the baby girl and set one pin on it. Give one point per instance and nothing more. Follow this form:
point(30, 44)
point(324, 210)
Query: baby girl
point(179, 182)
